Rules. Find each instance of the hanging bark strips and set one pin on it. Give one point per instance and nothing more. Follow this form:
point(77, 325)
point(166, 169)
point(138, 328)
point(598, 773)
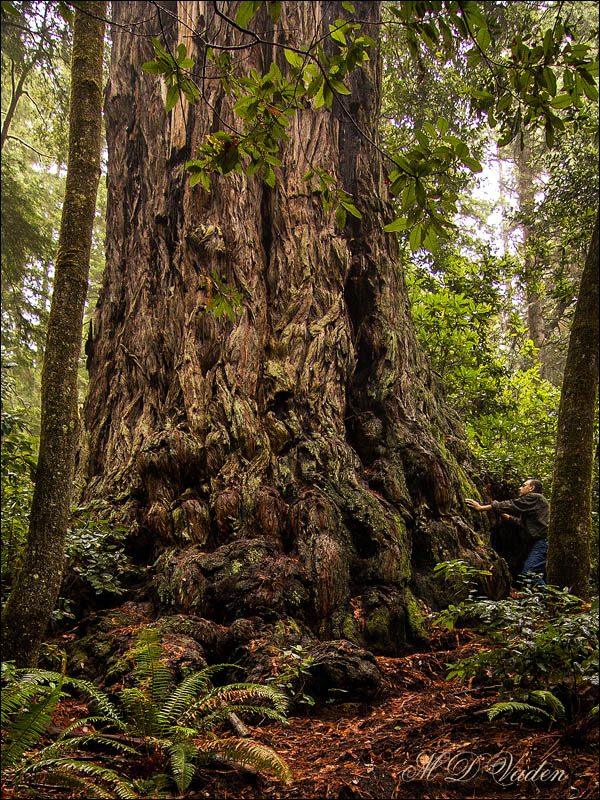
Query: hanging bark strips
point(299, 462)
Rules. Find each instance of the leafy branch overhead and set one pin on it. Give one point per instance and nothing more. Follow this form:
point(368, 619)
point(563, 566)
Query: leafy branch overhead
point(519, 92)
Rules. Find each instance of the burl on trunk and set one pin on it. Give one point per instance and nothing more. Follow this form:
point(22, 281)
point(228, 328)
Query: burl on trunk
point(297, 467)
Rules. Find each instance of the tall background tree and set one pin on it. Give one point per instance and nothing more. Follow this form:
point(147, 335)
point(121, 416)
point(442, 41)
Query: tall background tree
point(35, 590)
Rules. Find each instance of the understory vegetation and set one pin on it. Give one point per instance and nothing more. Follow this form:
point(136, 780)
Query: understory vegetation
point(539, 648)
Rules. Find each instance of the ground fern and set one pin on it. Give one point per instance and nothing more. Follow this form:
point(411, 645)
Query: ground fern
point(173, 715)
point(29, 699)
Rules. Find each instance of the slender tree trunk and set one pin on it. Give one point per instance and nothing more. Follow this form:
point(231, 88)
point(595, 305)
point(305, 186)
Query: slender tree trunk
point(531, 277)
point(570, 514)
point(17, 93)
point(36, 587)
point(297, 463)
point(18, 90)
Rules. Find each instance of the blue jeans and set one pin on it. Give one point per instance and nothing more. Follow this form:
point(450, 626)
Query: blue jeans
point(535, 564)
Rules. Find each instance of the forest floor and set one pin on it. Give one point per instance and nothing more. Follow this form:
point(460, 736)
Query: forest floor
point(425, 737)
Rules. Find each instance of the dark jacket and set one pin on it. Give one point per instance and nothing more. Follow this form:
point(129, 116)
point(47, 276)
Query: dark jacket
point(531, 512)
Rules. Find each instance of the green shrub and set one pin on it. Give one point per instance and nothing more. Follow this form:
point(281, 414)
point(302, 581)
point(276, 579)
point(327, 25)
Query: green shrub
point(95, 550)
point(538, 641)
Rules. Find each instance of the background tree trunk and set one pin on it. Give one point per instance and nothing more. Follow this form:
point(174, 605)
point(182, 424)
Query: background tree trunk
point(31, 602)
point(570, 506)
point(532, 274)
point(298, 463)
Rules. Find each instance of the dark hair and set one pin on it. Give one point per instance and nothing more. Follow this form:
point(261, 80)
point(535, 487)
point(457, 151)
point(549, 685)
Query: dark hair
point(537, 485)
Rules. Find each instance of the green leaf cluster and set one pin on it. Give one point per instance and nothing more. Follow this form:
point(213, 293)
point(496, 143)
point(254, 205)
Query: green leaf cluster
point(175, 68)
point(293, 670)
point(95, 550)
point(543, 72)
point(224, 299)
point(541, 639)
point(265, 105)
point(459, 575)
point(423, 183)
point(333, 197)
point(521, 431)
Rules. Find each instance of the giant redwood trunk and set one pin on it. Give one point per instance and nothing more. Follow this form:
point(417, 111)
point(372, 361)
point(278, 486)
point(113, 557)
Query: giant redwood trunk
point(296, 464)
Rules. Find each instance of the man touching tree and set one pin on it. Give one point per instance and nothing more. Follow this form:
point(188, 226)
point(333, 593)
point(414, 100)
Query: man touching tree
point(531, 511)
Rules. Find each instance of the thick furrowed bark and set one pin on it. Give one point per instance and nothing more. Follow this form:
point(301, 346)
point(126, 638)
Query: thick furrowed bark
point(301, 447)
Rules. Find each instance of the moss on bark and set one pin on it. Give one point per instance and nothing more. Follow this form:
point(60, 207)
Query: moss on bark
point(33, 596)
point(296, 462)
point(570, 504)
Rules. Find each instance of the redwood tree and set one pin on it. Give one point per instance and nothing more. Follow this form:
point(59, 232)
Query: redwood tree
point(298, 462)
point(34, 593)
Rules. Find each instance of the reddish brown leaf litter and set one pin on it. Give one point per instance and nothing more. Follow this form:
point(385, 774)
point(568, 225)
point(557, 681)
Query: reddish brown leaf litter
point(429, 738)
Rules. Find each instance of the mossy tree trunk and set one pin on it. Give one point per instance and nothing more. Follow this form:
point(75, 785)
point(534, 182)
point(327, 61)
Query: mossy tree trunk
point(570, 506)
point(298, 462)
point(36, 586)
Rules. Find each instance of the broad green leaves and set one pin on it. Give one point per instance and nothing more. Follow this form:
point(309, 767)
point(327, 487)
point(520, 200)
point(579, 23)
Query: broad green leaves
point(539, 75)
point(246, 11)
point(333, 196)
point(423, 184)
point(224, 299)
point(174, 67)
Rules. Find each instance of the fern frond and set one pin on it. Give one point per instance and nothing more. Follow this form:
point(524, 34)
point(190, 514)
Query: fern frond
point(16, 696)
point(88, 721)
point(115, 744)
point(182, 755)
point(177, 732)
point(183, 696)
point(546, 699)
point(149, 666)
point(29, 727)
point(37, 676)
point(514, 707)
point(251, 753)
point(76, 783)
point(107, 783)
point(102, 702)
point(23, 681)
point(140, 711)
point(279, 699)
point(237, 693)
